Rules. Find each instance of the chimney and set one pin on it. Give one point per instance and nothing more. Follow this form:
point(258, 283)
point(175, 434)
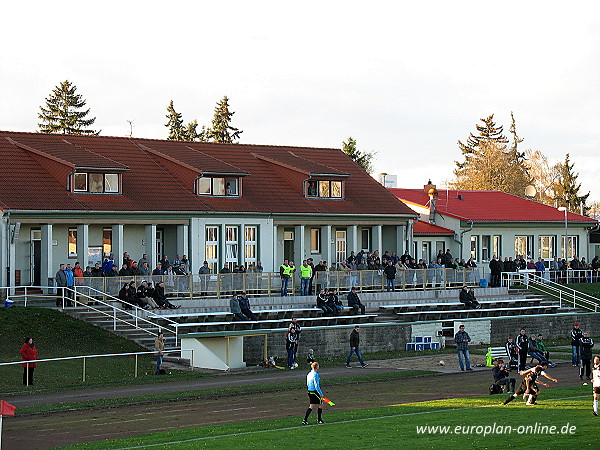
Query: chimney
point(432, 192)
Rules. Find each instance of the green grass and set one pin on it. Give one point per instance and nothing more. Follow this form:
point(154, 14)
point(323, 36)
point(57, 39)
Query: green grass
point(58, 335)
point(568, 410)
point(588, 288)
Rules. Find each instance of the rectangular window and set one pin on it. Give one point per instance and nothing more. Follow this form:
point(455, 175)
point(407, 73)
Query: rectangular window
point(547, 247)
point(219, 186)
point(81, 182)
point(111, 182)
point(96, 183)
point(72, 242)
point(497, 241)
point(485, 248)
point(315, 240)
point(250, 245)
point(523, 246)
point(336, 189)
point(107, 241)
point(365, 238)
point(231, 246)
point(212, 247)
point(571, 247)
point(324, 189)
point(474, 247)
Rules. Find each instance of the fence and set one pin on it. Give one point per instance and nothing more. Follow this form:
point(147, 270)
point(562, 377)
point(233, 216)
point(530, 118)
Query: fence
point(84, 359)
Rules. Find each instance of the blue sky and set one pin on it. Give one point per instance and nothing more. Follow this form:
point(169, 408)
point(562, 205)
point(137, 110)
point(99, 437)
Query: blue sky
point(406, 79)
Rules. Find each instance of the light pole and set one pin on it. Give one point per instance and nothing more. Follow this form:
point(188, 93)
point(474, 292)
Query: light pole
point(565, 248)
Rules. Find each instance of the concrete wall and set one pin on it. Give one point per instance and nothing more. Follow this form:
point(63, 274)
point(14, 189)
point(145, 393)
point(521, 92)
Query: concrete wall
point(331, 341)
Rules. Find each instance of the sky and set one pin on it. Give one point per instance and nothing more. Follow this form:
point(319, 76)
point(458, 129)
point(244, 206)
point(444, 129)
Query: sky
point(405, 79)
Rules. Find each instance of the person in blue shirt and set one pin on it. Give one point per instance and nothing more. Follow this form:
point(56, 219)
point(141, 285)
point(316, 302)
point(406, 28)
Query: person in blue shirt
point(315, 394)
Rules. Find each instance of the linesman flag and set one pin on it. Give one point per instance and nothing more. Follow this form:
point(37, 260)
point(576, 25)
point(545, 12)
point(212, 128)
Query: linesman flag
point(6, 409)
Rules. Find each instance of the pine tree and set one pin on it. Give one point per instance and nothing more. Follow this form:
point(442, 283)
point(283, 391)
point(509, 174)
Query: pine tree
point(221, 130)
point(567, 189)
point(363, 159)
point(174, 124)
point(63, 112)
point(489, 163)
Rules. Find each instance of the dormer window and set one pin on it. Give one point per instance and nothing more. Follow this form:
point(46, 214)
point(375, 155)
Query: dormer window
point(219, 186)
point(96, 183)
point(324, 189)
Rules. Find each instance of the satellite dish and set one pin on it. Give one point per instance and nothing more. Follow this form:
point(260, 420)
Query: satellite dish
point(530, 191)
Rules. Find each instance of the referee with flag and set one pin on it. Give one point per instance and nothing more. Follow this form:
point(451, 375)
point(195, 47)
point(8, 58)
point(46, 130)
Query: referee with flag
point(315, 394)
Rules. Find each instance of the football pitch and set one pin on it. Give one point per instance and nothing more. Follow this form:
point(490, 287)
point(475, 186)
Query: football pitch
point(563, 418)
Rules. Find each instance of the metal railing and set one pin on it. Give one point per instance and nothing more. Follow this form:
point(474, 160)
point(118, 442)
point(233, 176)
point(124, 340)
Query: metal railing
point(93, 300)
point(268, 284)
point(564, 294)
point(84, 358)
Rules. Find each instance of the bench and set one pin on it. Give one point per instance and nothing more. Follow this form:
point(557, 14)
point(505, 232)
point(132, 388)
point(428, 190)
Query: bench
point(448, 306)
point(495, 353)
point(226, 316)
point(474, 313)
point(268, 324)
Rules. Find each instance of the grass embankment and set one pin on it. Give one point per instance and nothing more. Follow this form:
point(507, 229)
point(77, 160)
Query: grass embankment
point(562, 419)
point(57, 335)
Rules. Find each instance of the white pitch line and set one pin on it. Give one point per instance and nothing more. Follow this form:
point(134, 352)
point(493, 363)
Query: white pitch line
point(245, 433)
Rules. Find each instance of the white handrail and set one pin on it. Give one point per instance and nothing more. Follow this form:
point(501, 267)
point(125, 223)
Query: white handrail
point(579, 299)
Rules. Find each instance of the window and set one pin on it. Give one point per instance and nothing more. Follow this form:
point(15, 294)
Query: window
point(107, 241)
point(315, 240)
point(231, 246)
point(365, 238)
point(497, 240)
point(571, 247)
point(474, 247)
point(219, 186)
point(324, 189)
point(250, 245)
point(96, 183)
point(523, 246)
point(80, 182)
point(72, 242)
point(485, 248)
point(212, 245)
point(547, 247)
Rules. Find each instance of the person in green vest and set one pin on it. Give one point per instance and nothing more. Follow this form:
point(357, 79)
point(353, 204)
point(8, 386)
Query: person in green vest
point(305, 276)
point(285, 272)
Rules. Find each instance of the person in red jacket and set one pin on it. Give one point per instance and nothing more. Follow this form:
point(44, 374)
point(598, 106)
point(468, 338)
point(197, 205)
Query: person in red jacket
point(28, 353)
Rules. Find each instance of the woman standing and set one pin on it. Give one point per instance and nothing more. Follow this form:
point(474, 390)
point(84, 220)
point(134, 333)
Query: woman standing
point(28, 353)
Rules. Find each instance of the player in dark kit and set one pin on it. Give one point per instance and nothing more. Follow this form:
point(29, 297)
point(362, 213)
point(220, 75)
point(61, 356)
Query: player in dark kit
point(528, 387)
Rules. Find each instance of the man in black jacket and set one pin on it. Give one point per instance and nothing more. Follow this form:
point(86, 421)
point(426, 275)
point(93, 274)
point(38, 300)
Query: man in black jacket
point(390, 276)
point(586, 345)
point(354, 302)
point(495, 272)
point(354, 347)
point(522, 343)
point(501, 376)
point(576, 336)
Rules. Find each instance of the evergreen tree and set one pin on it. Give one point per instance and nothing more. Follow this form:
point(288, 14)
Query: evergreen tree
point(174, 124)
point(519, 156)
point(363, 159)
point(63, 112)
point(489, 164)
point(221, 130)
point(567, 189)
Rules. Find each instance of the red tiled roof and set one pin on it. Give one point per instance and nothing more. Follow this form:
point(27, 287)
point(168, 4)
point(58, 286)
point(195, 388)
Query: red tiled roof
point(426, 228)
point(292, 161)
point(488, 206)
point(153, 183)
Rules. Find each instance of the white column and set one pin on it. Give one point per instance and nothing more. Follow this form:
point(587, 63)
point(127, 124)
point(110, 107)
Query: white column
point(299, 245)
point(47, 269)
point(196, 247)
point(3, 255)
point(326, 243)
point(182, 240)
point(352, 239)
point(151, 245)
point(117, 243)
point(12, 259)
point(409, 238)
point(83, 242)
point(378, 239)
